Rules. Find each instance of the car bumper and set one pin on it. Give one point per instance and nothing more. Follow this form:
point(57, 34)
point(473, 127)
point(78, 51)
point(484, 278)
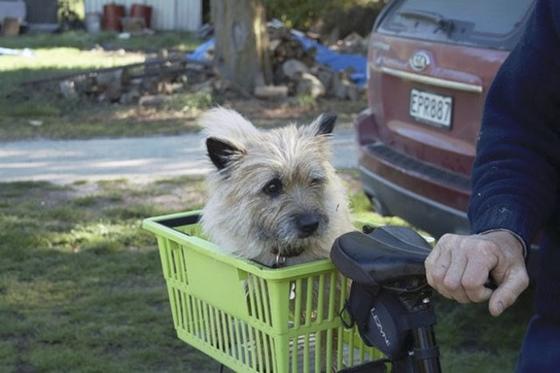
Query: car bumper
point(422, 212)
point(428, 197)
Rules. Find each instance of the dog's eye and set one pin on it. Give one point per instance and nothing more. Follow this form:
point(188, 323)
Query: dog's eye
point(273, 188)
point(317, 181)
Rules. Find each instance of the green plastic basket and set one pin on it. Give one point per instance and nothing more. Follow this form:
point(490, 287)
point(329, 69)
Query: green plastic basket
point(249, 317)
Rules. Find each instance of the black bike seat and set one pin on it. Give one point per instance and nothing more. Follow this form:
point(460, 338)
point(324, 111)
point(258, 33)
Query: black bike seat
point(388, 254)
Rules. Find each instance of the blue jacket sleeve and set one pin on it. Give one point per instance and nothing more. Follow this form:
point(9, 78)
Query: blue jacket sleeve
point(515, 174)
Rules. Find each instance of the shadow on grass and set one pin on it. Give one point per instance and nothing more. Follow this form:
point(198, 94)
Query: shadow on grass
point(100, 309)
point(81, 287)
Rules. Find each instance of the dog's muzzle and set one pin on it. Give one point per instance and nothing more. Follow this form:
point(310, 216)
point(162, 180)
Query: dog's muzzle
point(306, 224)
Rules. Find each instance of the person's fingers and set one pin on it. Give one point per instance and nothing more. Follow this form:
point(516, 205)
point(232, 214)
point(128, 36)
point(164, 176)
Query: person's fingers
point(439, 270)
point(476, 273)
point(429, 264)
point(505, 295)
point(440, 266)
point(452, 279)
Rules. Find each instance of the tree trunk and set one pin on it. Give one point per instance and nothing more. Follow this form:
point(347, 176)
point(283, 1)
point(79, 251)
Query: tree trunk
point(241, 51)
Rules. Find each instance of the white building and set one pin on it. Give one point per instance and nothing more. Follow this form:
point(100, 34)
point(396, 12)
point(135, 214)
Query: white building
point(166, 14)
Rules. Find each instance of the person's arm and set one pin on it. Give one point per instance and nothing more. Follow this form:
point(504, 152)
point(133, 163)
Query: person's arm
point(514, 175)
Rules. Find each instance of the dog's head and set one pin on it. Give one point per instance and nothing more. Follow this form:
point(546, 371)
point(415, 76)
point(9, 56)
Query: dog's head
point(272, 185)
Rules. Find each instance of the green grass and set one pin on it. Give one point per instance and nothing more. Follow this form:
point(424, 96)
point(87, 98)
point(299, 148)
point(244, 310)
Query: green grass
point(46, 63)
point(81, 287)
point(180, 41)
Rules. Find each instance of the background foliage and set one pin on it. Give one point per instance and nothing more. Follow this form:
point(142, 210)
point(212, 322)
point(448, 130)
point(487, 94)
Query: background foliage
point(326, 15)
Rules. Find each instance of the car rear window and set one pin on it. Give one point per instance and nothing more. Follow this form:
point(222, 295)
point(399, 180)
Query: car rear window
point(486, 23)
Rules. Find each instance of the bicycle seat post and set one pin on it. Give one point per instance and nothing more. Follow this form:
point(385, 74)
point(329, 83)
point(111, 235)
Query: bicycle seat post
point(426, 352)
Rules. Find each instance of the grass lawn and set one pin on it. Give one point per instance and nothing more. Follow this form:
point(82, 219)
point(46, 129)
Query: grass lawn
point(81, 287)
point(179, 41)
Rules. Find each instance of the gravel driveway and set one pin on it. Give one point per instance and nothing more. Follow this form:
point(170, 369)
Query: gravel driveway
point(139, 159)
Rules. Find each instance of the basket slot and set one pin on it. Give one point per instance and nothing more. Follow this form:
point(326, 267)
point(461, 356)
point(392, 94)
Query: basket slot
point(332, 295)
point(339, 355)
point(321, 297)
point(184, 267)
point(265, 300)
point(258, 348)
point(318, 351)
point(180, 313)
point(218, 329)
point(206, 323)
point(350, 352)
point(189, 312)
point(190, 322)
point(267, 353)
point(362, 352)
point(243, 344)
point(173, 298)
point(225, 332)
point(298, 299)
point(212, 331)
point(253, 299)
point(294, 354)
point(329, 354)
point(308, 300)
point(237, 338)
point(177, 264)
point(258, 300)
point(306, 353)
point(197, 321)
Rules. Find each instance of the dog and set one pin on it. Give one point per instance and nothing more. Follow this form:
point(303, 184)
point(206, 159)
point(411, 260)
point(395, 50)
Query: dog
point(273, 195)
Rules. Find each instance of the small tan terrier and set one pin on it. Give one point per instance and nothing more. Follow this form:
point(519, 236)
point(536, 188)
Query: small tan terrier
point(273, 196)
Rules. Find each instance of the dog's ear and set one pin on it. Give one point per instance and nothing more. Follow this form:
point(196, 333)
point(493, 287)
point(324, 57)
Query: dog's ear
point(222, 152)
point(324, 124)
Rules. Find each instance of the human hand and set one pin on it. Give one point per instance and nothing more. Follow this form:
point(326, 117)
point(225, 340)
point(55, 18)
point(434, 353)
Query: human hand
point(459, 266)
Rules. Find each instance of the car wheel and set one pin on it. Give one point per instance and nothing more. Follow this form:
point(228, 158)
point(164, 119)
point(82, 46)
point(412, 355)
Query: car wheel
point(378, 206)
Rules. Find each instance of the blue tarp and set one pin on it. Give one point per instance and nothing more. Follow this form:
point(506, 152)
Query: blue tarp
point(324, 56)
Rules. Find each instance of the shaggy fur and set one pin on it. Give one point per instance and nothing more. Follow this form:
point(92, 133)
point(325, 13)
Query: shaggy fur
point(264, 182)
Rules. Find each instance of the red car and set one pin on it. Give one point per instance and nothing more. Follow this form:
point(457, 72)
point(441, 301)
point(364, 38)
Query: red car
point(430, 65)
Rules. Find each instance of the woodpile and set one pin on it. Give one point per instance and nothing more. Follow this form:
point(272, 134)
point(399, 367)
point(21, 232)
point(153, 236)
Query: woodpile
point(129, 84)
point(295, 73)
point(283, 46)
point(296, 69)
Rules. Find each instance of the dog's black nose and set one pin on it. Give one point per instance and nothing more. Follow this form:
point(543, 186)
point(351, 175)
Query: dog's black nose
point(307, 224)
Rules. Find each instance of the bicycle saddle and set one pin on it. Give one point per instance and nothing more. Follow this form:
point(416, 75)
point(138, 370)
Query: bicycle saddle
point(386, 255)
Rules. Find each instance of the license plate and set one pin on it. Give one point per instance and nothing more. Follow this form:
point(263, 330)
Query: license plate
point(431, 108)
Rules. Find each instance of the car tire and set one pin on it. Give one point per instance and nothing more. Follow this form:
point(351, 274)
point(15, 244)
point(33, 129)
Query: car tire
point(378, 205)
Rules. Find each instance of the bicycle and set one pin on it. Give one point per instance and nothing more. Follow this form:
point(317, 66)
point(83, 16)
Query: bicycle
point(390, 299)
